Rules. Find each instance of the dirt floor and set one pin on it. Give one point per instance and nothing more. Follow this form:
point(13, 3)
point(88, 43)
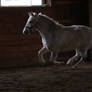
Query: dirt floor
point(51, 78)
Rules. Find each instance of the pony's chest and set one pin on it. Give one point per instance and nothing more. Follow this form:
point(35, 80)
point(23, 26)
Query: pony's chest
point(44, 42)
point(47, 42)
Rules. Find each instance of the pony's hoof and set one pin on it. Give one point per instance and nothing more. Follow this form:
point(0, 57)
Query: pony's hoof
point(68, 62)
point(42, 63)
point(57, 62)
point(74, 67)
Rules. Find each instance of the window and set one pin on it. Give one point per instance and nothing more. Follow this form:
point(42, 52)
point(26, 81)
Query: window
point(22, 2)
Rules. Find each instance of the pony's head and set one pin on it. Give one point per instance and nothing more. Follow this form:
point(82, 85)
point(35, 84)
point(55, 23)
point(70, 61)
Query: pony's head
point(31, 23)
point(39, 22)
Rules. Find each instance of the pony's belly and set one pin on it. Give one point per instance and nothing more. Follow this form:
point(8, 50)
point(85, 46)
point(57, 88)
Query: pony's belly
point(66, 47)
point(72, 46)
point(63, 49)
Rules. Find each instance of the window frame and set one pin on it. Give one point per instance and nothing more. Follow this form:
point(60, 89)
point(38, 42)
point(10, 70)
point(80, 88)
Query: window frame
point(45, 3)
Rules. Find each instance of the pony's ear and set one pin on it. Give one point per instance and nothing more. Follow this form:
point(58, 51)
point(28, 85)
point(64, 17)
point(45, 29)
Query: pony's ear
point(40, 13)
point(32, 14)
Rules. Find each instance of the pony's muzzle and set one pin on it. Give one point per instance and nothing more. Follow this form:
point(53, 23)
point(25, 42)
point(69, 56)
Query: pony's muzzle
point(25, 32)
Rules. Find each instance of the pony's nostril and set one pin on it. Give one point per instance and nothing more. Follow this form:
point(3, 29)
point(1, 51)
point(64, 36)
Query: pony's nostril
point(25, 32)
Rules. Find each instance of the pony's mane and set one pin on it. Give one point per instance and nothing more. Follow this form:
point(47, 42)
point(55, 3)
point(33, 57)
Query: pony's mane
point(48, 18)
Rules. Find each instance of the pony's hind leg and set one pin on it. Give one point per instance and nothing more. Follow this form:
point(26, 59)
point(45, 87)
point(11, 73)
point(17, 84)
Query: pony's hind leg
point(41, 53)
point(74, 58)
point(83, 55)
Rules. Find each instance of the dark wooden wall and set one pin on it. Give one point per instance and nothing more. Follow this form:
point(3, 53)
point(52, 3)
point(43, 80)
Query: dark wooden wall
point(19, 50)
point(71, 11)
point(90, 12)
point(90, 22)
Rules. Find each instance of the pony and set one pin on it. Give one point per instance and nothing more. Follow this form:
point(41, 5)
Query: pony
point(58, 38)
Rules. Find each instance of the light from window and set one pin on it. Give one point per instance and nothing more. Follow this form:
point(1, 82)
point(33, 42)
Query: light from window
point(21, 2)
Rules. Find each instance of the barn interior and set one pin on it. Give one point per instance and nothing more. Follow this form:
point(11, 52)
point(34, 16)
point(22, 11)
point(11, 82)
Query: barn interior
point(19, 68)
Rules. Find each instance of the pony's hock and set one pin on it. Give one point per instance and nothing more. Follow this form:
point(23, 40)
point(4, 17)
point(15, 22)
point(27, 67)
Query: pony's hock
point(58, 38)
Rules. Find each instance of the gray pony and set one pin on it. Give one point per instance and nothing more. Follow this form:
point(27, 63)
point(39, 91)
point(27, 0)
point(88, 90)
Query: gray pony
point(58, 38)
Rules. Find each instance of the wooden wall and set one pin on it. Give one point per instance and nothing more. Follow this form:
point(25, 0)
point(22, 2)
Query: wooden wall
point(90, 12)
point(71, 11)
point(19, 50)
point(90, 22)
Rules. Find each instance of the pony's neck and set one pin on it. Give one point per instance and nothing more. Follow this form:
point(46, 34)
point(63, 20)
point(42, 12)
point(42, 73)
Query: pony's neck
point(48, 25)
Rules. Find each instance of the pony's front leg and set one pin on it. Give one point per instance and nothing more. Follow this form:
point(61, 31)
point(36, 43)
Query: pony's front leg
point(53, 58)
point(41, 53)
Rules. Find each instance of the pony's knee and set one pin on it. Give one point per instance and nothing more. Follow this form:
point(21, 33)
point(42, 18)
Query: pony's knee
point(39, 53)
point(42, 51)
